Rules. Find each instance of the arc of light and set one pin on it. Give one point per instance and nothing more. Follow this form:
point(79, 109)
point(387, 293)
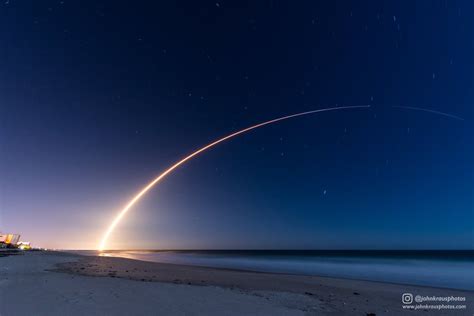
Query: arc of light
point(127, 207)
point(428, 110)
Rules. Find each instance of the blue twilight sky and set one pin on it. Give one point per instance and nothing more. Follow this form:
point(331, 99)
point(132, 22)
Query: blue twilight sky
point(99, 97)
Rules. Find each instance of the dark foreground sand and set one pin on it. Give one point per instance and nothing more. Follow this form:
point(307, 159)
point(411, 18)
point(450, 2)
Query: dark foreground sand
point(52, 283)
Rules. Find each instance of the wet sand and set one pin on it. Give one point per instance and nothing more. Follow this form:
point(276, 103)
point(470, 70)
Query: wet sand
point(53, 283)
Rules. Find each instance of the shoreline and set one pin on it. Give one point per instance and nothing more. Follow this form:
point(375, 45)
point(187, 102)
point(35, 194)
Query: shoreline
point(191, 266)
point(340, 295)
point(59, 283)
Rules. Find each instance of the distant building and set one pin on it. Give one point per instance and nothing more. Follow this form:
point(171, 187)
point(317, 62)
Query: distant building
point(9, 239)
point(24, 245)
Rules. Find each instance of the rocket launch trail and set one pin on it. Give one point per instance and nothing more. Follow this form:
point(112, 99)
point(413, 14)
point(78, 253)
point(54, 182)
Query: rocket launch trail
point(143, 191)
point(429, 111)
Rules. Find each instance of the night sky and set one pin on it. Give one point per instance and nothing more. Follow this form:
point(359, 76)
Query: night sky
point(98, 98)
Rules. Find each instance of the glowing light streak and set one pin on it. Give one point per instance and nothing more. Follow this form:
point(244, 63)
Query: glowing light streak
point(142, 192)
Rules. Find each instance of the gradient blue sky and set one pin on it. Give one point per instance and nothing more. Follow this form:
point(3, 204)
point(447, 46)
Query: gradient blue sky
point(98, 97)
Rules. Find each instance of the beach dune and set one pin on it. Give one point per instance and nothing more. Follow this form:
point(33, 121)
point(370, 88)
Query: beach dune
point(55, 283)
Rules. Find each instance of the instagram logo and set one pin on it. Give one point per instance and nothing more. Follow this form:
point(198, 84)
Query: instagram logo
point(407, 298)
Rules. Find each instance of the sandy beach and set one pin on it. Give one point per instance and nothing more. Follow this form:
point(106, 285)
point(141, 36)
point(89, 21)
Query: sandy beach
point(55, 283)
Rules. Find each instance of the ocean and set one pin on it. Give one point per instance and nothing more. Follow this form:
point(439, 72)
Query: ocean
point(448, 269)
